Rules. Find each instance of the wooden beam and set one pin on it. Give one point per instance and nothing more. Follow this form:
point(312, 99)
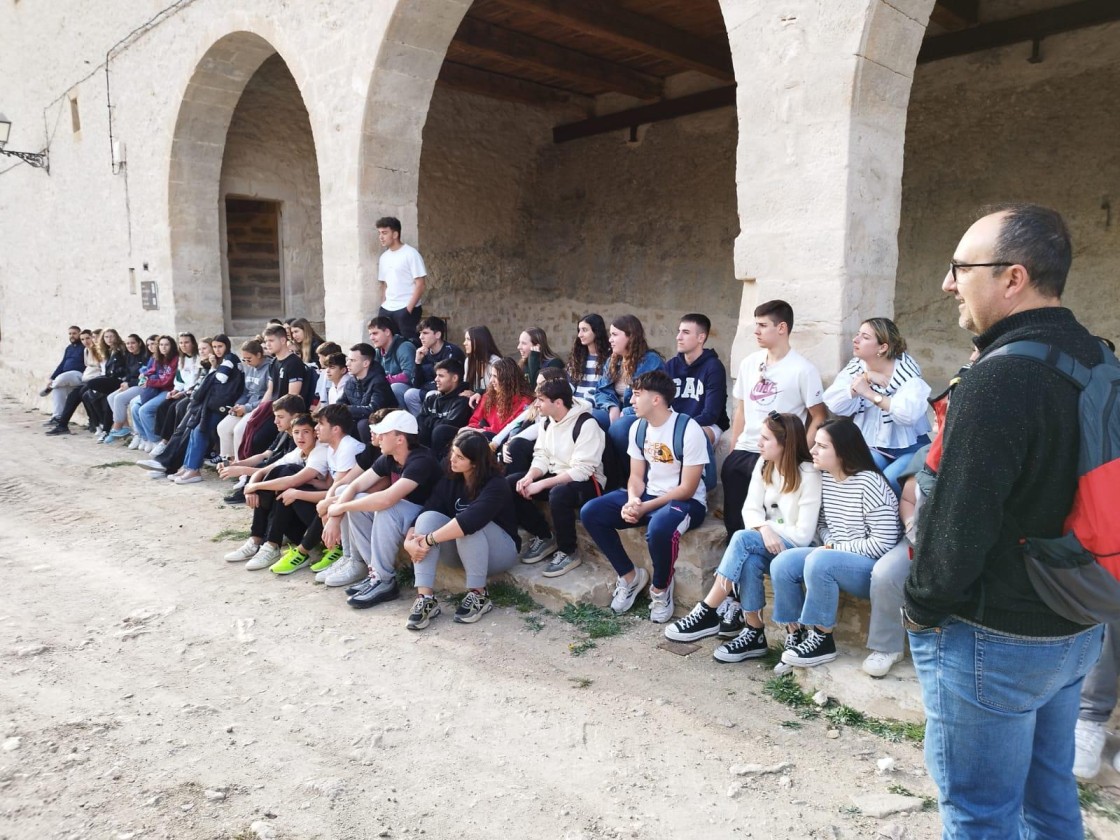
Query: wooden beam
point(507, 88)
point(956, 14)
point(1002, 33)
point(615, 24)
point(488, 40)
point(668, 109)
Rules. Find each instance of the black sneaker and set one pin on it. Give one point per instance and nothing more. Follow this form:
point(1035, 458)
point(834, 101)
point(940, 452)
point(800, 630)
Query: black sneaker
point(731, 619)
point(380, 592)
point(424, 610)
point(237, 497)
point(473, 607)
point(816, 649)
point(58, 430)
point(45, 391)
point(54, 421)
point(749, 644)
point(702, 622)
point(793, 638)
point(360, 586)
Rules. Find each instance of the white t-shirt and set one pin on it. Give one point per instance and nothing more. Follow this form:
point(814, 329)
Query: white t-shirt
point(791, 386)
point(398, 270)
point(316, 459)
point(345, 457)
point(664, 472)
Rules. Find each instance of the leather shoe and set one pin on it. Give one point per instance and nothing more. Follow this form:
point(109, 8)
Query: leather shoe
point(380, 591)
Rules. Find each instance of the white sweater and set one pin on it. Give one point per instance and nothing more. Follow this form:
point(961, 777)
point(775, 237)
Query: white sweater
point(907, 419)
point(792, 516)
point(555, 452)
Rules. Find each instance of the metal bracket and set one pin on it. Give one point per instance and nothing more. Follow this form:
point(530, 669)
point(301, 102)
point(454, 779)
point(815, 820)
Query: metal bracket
point(39, 161)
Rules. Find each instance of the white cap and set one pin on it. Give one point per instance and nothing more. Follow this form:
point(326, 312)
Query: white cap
point(396, 421)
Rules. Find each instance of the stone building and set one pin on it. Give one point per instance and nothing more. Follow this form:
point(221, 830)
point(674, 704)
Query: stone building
point(213, 164)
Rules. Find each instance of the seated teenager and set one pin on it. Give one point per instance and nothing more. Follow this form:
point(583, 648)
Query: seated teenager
point(567, 471)
point(445, 410)
point(858, 525)
point(481, 351)
point(535, 354)
point(187, 373)
point(254, 369)
point(368, 390)
point(515, 442)
point(122, 372)
point(304, 467)
point(283, 410)
point(469, 518)
point(332, 427)
point(588, 359)
point(396, 355)
point(322, 384)
point(507, 395)
point(700, 377)
point(781, 511)
point(216, 395)
point(306, 340)
point(337, 377)
point(630, 358)
point(286, 375)
point(664, 492)
point(157, 385)
point(433, 349)
point(375, 511)
point(130, 386)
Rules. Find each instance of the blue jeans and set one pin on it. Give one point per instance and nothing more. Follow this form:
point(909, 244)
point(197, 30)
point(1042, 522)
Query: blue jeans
point(824, 571)
point(602, 517)
point(200, 439)
point(893, 462)
point(746, 562)
point(1000, 715)
point(144, 417)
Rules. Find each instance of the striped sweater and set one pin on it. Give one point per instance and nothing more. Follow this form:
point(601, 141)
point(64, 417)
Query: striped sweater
point(859, 514)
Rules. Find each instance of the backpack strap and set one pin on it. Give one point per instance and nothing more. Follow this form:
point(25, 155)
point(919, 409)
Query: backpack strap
point(1058, 361)
point(680, 424)
point(577, 427)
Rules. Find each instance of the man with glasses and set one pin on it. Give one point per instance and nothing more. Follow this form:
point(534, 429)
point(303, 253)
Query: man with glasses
point(1001, 672)
point(774, 378)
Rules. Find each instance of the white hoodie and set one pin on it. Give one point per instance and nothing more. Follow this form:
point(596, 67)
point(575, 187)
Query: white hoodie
point(556, 453)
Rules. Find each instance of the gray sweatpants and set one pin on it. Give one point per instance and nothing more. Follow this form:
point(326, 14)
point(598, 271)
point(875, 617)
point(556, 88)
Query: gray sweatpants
point(888, 577)
point(1098, 692)
point(61, 386)
point(375, 537)
point(490, 551)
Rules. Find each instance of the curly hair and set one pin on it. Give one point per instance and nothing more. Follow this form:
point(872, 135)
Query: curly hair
point(507, 383)
point(577, 359)
point(624, 366)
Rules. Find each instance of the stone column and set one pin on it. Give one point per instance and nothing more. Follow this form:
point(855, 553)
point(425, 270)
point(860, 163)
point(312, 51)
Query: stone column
point(823, 90)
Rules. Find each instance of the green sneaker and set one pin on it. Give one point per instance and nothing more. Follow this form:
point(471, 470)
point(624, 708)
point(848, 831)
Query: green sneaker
point(328, 559)
point(292, 561)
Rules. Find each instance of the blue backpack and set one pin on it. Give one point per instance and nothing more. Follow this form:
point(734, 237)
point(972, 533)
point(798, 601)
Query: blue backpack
point(710, 476)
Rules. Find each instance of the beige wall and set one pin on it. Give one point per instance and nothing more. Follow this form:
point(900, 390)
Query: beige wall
point(992, 127)
point(270, 155)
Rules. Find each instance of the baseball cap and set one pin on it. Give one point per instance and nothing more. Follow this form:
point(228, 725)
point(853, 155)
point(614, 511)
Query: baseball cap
point(396, 421)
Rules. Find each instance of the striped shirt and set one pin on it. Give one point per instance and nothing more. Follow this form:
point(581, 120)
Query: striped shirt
point(859, 515)
point(586, 385)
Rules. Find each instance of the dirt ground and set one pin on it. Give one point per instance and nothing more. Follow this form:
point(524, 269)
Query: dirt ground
point(151, 690)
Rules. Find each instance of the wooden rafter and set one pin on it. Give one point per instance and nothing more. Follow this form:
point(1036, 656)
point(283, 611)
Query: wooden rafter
point(633, 31)
point(956, 14)
point(485, 39)
point(669, 109)
point(507, 88)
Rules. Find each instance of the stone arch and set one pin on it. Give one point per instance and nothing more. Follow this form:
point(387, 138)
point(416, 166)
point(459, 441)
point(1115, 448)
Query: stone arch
point(197, 151)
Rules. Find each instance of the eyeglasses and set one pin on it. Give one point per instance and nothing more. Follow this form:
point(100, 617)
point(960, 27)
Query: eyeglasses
point(953, 266)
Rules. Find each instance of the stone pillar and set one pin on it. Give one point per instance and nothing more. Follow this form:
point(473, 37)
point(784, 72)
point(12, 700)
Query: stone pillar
point(823, 90)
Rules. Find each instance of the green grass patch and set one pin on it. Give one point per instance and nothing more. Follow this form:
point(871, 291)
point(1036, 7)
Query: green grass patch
point(507, 595)
point(596, 622)
point(791, 724)
point(580, 682)
point(785, 690)
point(929, 803)
point(534, 623)
point(581, 647)
point(230, 534)
point(112, 465)
point(406, 575)
point(1093, 801)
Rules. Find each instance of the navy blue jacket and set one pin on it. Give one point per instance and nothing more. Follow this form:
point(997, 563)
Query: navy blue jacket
point(72, 359)
point(701, 388)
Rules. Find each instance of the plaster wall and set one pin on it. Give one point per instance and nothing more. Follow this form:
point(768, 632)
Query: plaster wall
point(521, 232)
point(990, 128)
point(270, 155)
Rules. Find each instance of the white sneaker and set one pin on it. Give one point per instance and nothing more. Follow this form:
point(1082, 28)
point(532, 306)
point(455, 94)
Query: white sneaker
point(246, 551)
point(100, 436)
point(266, 555)
point(157, 474)
point(151, 464)
point(879, 663)
point(626, 593)
point(145, 446)
point(1088, 739)
point(345, 571)
point(134, 443)
point(661, 605)
point(157, 449)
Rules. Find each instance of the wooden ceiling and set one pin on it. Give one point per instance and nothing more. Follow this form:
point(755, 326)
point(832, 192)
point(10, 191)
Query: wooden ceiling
point(567, 52)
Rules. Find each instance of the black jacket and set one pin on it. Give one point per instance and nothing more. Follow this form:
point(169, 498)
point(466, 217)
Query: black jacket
point(439, 409)
point(125, 366)
point(365, 396)
point(494, 503)
point(1008, 470)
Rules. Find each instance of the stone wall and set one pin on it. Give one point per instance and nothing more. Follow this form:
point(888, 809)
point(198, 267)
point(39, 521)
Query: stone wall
point(992, 127)
point(270, 155)
point(520, 232)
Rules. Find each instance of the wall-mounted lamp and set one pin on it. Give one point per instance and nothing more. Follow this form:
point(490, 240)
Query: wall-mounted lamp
point(39, 161)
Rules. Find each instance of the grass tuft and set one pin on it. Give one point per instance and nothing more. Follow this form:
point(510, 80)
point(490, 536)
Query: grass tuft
point(1093, 801)
point(580, 648)
point(929, 803)
point(597, 622)
point(505, 594)
point(112, 465)
point(406, 575)
point(534, 623)
point(580, 682)
point(238, 534)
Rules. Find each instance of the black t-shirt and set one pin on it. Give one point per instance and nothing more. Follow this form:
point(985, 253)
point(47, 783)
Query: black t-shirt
point(420, 466)
point(367, 456)
point(283, 373)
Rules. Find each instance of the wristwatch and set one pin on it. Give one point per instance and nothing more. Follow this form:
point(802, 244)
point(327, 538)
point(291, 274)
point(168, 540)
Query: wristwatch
point(878, 399)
